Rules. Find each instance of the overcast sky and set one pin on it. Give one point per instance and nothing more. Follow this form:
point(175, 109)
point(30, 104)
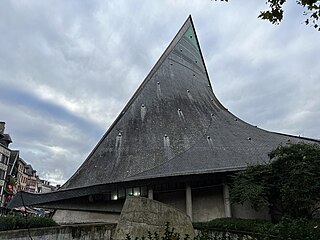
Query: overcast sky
point(67, 68)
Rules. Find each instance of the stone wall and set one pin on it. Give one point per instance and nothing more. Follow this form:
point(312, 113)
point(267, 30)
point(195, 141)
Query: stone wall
point(77, 232)
point(141, 215)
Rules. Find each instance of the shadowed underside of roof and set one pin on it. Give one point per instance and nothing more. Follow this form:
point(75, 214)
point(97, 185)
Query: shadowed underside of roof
point(174, 125)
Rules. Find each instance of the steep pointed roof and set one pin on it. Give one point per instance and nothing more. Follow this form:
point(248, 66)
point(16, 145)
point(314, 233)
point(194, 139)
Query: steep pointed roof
point(174, 125)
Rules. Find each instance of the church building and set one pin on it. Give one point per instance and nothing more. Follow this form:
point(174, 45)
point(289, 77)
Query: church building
point(173, 142)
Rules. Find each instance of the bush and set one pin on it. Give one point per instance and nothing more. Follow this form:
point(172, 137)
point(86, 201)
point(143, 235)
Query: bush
point(19, 222)
point(298, 229)
point(237, 224)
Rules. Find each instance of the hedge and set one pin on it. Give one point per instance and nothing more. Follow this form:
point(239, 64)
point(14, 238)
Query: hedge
point(262, 229)
point(18, 222)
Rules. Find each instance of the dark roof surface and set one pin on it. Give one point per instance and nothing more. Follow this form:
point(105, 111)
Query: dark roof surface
point(174, 125)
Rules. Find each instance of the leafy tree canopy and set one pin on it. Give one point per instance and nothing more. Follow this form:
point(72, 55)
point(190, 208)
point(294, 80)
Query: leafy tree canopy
point(289, 183)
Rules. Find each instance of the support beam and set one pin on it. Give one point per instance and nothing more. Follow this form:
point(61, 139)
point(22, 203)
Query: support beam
point(189, 201)
point(226, 200)
point(150, 193)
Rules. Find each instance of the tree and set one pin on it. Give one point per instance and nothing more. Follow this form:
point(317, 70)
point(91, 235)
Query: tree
point(275, 12)
point(289, 184)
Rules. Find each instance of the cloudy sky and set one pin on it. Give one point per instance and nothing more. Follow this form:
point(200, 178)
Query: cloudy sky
point(67, 68)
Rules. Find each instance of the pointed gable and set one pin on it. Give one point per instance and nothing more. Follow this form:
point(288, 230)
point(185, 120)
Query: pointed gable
point(174, 125)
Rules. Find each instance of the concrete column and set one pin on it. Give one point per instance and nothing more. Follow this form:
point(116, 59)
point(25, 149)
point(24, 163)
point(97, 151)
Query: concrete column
point(150, 193)
point(188, 201)
point(226, 200)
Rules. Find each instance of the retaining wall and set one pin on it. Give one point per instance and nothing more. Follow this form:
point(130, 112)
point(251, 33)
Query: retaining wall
point(80, 231)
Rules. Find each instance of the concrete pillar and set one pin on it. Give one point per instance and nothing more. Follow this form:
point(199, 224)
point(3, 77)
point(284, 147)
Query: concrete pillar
point(150, 193)
point(189, 201)
point(226, 200)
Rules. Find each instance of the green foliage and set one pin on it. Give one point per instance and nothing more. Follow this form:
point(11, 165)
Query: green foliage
point(18, 222)
point(275, 12)
point(289, 184)
point(311, 9)
point(252, 226)
point(231, 228)
point(298, 229)
point(169, 234)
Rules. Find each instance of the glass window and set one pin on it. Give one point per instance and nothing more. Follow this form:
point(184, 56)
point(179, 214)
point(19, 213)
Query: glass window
point(114, 195)
point(144, 191)
point(136, 191)
point(121, 193)
point(129, 192)
point(2, 173)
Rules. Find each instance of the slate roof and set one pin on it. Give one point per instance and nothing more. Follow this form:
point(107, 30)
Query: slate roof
point(173, 126)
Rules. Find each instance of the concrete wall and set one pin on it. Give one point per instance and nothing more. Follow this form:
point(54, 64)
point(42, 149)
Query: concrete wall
point(81, 232)
point(175, 199)
point(71, 217)
point(207, 204)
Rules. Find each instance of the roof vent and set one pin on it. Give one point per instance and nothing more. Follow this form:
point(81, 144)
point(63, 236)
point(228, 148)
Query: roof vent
point(194, 75)
point(165, 135)
point(158, 83)
point(236, 119)
point(208, 137)
point(181, 50)
point(196, 61)
point(188, 90)
point(179, 109)
point(171, 64)
point(190, 36)
point(212, 114)
point(249, 138)
point(142, 105)
point(119, 134)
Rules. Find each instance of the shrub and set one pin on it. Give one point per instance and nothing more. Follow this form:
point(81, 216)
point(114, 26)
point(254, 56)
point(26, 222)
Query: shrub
point(297, 229)
point(18, 222)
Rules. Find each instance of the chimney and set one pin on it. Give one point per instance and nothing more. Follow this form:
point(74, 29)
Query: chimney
point(2, 127)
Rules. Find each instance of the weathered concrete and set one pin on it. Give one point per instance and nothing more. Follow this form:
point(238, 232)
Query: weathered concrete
point(176, 199)
point(141, 215)
point(189, 201)
point(150, 193)
point(76, 232)
point(207, 204)
point(226, 200)
point(74, 217)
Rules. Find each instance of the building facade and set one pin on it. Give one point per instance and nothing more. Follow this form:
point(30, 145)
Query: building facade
point(4, 161)
point(22, 177)
point(32, 177)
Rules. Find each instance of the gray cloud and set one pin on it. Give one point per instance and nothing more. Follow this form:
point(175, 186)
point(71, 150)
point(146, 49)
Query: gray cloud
point(67, 68)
